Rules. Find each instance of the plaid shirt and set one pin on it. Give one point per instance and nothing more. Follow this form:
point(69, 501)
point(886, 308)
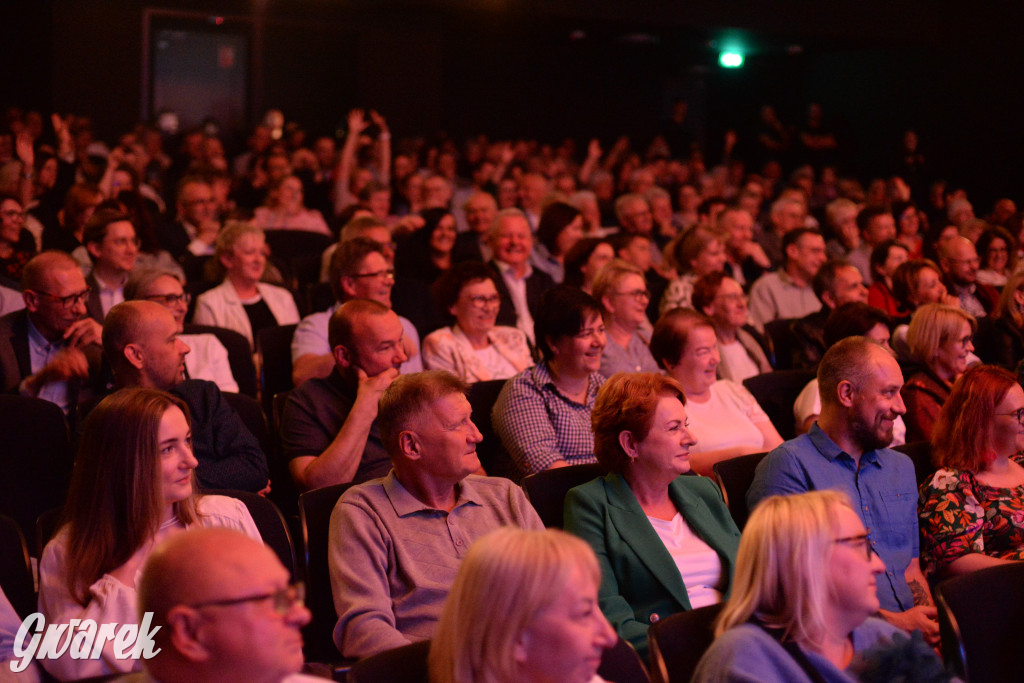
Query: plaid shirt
point(539, 425)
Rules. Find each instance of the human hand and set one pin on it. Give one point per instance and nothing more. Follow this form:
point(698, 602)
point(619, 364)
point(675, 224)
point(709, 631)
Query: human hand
point(755, 251)
point(83, 332)
point(923, 618)
point(594, 149)
point(357, 122)
point(26, 152)
point(67, 363)
point(379, 121)
point(265, 491)
point(371, 388)
point(60, 128)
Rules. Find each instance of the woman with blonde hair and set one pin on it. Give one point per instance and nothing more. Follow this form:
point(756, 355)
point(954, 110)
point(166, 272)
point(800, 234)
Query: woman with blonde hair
point(622, 290)
point(695, 253)
point(243, 302)
point(804, 596)
point(940, 341)
point(522, 609)
point(1006, 336)
point(133, 485)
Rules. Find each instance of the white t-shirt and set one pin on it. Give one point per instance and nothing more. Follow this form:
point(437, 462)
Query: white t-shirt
point(808, 404)
point(741, 365)
point(728, 419)
point(698, 563)
point(496, 364)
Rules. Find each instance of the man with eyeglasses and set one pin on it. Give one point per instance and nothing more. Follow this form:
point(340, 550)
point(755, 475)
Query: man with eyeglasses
point(359, 269)
point(847, 449)
point(329, 425)
point(51, 348)
point(113, 248)
point(959, 261)
point(196, 227)
point(223, 610)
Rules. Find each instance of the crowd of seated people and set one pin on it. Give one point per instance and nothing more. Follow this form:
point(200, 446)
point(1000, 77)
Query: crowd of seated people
point(619, 298)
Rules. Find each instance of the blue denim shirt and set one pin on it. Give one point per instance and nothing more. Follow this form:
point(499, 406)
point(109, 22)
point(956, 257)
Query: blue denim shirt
point(883, 491)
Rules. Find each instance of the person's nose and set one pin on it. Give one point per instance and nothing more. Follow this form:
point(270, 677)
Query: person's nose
point(605, 637)
point(686, 438)
point(899, 407)
point(183, 348)
point(877, 566)
point(475, 435)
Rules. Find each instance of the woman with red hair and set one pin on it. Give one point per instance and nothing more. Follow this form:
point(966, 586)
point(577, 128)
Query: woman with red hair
point(972, 508)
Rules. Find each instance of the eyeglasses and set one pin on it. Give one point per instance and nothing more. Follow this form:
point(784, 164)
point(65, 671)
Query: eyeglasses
point(171, 299)
point(965, 341)
point(1019, 414)
point(970, 261)
point(389, 274)
point(732, 298)
point(481, 301)
point(197, 202)
point(862, 540)
point(636, 294)
point(67, 302)
point(283, 600)
point(13, 213)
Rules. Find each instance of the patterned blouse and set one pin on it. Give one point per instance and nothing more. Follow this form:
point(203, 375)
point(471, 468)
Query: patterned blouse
point(960, 515)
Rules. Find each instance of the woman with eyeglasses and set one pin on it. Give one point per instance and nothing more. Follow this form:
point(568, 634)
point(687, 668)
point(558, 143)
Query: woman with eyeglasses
point(207, 358)
point(742, 350)
point(726, 418)
point(622, 290)
point(940, 341)
point(972, 508)
point(137, 442)
point(804, 598)
point(542, 415)
point(473, 348)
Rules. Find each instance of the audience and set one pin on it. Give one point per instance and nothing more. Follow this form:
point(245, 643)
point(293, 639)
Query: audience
point(698, 252)
point(666, 542)
point(284, 209)
point(959, 261)
point(584, 260)
point(519, 284)
point(787, 292)
point(560, 228)
point(1006, 336)
point(998, 251)
point(742, 350)
point(835, 284)
point(886, 258)
point(622, 291)
point(523, 607)
point(396, 543)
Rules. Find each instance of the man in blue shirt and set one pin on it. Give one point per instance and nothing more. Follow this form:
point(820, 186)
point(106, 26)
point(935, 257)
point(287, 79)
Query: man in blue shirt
point(860, 382)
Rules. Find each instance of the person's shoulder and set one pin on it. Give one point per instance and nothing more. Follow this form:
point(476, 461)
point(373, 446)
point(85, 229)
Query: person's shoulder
point(697, 485)
point(192, 390)
point(871, 631)
point(214, 505)
point(442, 335)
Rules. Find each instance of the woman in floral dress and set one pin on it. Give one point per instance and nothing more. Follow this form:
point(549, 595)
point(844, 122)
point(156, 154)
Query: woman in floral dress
point(972, 508)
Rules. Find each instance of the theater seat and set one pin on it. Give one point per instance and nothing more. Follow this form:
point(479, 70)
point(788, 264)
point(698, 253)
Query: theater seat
point(679, 641)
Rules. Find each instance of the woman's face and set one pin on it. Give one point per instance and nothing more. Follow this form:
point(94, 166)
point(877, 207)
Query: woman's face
point(909, 224)
point(666, 448)
point(852, 570)
point(1006, 431)
point(711, 259)
point(729, 307)
point(627, 301)
point(570, 235)
point(601, 255)
point(289, 194)
point(699, 361)
point(951, 357)
point(48, 174)
point(176, 459)
point(565, 641)
point(930, 289)
point(897, 255)
point(997, 256)
point(443, 238)
point(580, 354)
point(248, 258)
point(12, 220)
point(476, 309)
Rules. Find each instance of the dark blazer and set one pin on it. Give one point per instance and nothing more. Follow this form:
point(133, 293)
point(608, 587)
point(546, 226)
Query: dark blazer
point(16, 365)
point(536, 284)
point(172, 236)
point(640, 583)
point(93, 306)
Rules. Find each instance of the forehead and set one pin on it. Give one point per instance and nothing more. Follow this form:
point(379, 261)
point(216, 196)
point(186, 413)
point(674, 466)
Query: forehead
point(7, 204)
point(451, 407)
point(377, 234)
point(847, 522)
point(62, 281)
point(379, 328)
point(194, 190)
point(372, 262)
point(165, 284)
point(886, 370)
point(729, 286)
point(513, 226)
point(810, 241)
point(249, 240)
point(630, 281)
point(848, 275)
point(475, 287)
point(120, 229)
point(701, 336)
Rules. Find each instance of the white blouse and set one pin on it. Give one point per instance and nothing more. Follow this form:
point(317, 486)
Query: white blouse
point(698, 563)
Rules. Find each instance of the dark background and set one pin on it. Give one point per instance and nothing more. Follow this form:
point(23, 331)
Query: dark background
point(515, 68)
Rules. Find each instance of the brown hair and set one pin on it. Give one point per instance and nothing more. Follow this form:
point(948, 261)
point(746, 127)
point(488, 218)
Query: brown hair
point(960, 437)
point(671, 333)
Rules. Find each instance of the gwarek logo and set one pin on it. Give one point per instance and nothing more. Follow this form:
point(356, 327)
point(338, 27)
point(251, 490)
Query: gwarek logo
point(82, 639)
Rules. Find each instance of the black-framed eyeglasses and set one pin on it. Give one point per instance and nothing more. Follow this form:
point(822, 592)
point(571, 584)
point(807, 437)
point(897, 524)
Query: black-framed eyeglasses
point(283, 600)
point(863, 540)
point(69, 301)
point(1019, 414)
point(636, 294)
point(171, 299)
point(389, 274)
point(481, 301)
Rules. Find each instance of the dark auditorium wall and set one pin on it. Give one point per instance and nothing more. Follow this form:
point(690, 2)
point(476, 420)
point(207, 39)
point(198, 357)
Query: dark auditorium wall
point(510, 66)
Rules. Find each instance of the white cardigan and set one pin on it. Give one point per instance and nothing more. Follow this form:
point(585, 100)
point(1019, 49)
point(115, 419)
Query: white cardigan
point(221, 307)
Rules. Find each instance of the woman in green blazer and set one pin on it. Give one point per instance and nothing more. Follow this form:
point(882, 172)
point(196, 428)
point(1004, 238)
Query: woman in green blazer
point(666, 542)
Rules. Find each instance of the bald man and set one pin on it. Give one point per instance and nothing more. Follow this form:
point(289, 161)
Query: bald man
point(140, 340)
point(225, 611)
point(50, 349)
point(959, 261)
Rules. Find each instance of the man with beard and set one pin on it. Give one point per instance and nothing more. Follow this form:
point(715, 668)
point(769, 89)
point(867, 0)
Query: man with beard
point(846, 450)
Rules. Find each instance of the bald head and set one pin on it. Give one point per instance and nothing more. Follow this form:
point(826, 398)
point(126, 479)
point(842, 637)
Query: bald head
point(140, 339)
point(40, 269)
point(958, 259)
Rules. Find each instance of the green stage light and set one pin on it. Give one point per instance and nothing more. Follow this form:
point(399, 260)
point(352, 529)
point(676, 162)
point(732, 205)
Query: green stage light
point(730, 59)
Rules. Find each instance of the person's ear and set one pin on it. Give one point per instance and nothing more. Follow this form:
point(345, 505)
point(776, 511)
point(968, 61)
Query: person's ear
point(409, 445)
point(342, 356)
point(94, 249)
point(134, 354)
point(628, 443)
point(348, 286)
point(846, 393)
point(31, 300)
point(184, 633)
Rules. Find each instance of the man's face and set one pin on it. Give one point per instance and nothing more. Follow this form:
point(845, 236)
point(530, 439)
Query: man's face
point(740, 228)
point(637, 252)
point(372, 279)
point(961, 262)
point(807, 255)
point(379, 204)
point(531, 191)
point(118, 250)
point(637, 218)
point(448, 439)
point(512, 242)
point(162, 353)
point(789, 216)
point(849, 287)
point(378, 344)
point(437, 192)
point(12, 220)
point(875, 406)
point(49, 314)
point(880, 228)
point(196, 204)
point(480, 212)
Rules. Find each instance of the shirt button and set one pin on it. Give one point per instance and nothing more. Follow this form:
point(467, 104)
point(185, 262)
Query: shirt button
point(458, 542)
point(655, 618)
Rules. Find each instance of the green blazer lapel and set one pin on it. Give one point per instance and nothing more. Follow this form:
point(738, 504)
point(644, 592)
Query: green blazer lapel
point(636, 531)
point(697, 514)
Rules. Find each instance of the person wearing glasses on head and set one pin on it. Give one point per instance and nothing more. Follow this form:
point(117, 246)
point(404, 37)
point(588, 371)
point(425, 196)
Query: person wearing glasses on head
point(208, 359)
point(51, 349)
point(225, 611)
point(940, 340)
point(473, 348)
point(138, 442)
point(622, 290)
point(971, 509)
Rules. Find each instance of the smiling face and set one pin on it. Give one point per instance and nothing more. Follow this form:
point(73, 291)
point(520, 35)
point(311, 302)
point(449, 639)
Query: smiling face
point(117, 251)
point(665, 452)
point(951, 357)
point(443, 238)
point(626, 301)
point(164, 288)
point(565, 641)
point(247, 259)
point(698, 363)
point(477, 307)
point(997, 255)
point(176, 459)
point(372, 279)
point(378, 346)
point(729, 307)
point(12, 220)
point(1006, 431)
point(929, 289)
point(711, 259)
point(875, 406)
point(580, 354)
point(512, 241)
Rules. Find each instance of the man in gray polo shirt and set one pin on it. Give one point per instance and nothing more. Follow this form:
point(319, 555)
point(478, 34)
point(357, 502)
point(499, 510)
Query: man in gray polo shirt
point(396, 543)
